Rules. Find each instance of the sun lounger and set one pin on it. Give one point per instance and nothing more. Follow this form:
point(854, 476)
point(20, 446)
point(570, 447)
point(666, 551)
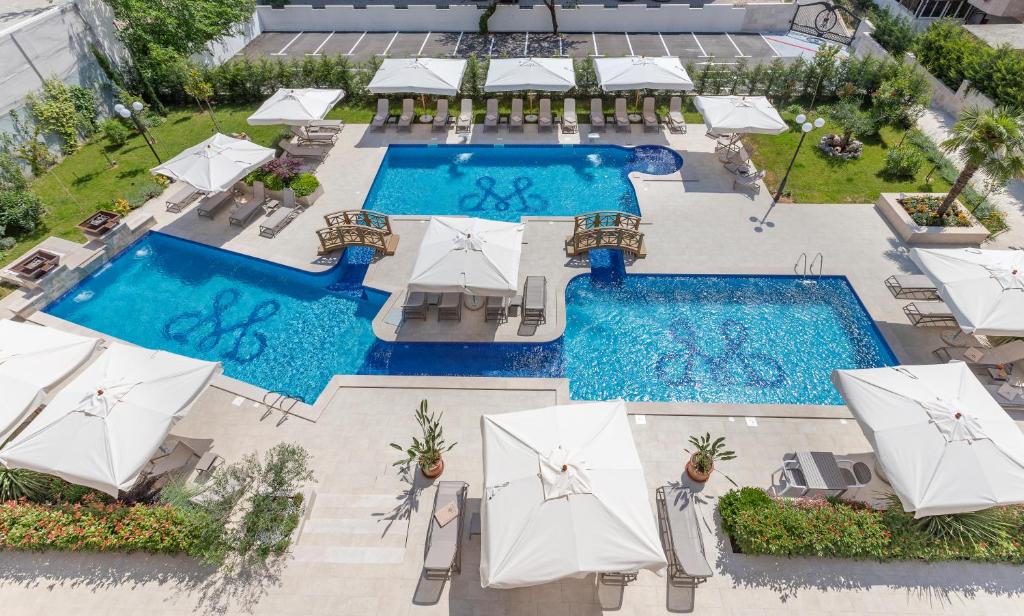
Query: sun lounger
point(569, 124)
point(650, 116)
point(544, 121)
point(911, 286)
point(1015, 403)
point(333, 126)
point(464, 123)
point(183, 199)
point(929, 313)
point(210, 204)
point(443, 551)
point(676, 121)
point(515, 116)
point(621, 115)
point(680, 527)
point(496, 309)
point(281, 216)
point(450, 308)
point(380, 119)
point(534, 299)
point(313, 152)
point(441, 116)
point(1005, 353)
point(491, 117)
point(408, 114)
point(855, 474)
point(258, 203)
point(314, 137)
point(752, 182)
point(596, 114)
point(415, 306)
point(788, 480)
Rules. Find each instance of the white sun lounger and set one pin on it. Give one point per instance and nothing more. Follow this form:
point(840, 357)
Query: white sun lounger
point(621, 115)
point(929, 313)
point(515, 116)
point(281, 216)
point(491, 118)
point(676, 121)
point(380, 119)
point(569, 124)
point(258, 203)
point(441, 116)
point(544, 120)
point(596, 114)
point(408, 114)
point(1006, 353)
point(183, 199)
point(210, 204)
point(442, 554)
point(650, 116)
point(314, 152)
point(464, 123)
point(688, 564)
point(911, 286)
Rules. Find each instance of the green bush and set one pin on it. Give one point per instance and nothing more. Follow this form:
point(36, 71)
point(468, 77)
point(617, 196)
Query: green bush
point(735, 501)
point(17, 483)
point(304, 185)
point(115, 132)
point(21, 211)
point(902, 162)
point(896, 34)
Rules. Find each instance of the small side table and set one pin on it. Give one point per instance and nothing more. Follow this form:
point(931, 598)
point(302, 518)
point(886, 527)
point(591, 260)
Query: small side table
point(635, 117)
point(514, 305)
point(531, 118)
point(473, 302)
point(426, 118)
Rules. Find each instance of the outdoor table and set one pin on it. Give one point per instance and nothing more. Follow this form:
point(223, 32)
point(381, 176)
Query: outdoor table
point(635, 117)
point(531, 118)
point(821, 471)
point(426, 118)
point(473, 302)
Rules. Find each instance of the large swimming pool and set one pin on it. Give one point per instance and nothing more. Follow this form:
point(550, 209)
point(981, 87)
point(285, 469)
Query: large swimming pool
point(757, 339)
point(508, 182)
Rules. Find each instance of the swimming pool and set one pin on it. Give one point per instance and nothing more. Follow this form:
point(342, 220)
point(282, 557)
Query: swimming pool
point(507, 182)
point(757, 339)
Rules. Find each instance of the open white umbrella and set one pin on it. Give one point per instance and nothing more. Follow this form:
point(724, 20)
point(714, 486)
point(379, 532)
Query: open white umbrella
point(641, 73)
point(296, 106)
point(33, 359)
point(215, 164)
point(564, 496)
point(434, 76)
point(522, 74)
point(740, 114)
point(102, 428)
point(469, 255)
point(983, 288)
point(944, 444)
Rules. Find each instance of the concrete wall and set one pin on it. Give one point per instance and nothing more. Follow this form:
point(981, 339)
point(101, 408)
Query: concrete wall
point(767, 17)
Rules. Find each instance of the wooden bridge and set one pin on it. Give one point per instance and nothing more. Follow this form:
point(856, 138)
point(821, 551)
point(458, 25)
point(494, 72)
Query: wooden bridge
point(616, 230)
point(357, 228)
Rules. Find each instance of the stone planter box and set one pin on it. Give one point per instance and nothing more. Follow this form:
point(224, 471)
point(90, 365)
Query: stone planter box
point(306, 201)
point(912, 233)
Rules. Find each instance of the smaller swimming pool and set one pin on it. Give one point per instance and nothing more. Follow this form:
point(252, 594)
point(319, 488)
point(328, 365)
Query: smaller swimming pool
point(506, 182)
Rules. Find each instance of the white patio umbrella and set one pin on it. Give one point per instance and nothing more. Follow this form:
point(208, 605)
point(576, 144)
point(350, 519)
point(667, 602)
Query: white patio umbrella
point(33, 359)
point(296, 106)
point(740, 114)
point(102, 428)
point(564, 496)
point(469, 255)
point(435, 76)
point(522, 74)
point(944, 444)
point(983, 288)
point(641, 73)
point(215, 164)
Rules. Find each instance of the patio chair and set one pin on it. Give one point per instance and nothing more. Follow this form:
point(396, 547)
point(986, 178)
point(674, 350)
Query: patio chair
point(1005, 353)
point(788, 479)
point(534, 298)
point(596, 114)
point(1009, 397)
point(442, 554)
point(313, 152)
point(569, 124)
point(929, 313)
point(496, 309)
point(441, 116)
point(307, 136)
point(675, 119)
point(380, 119)
point(544, 121)
point(450, 308)
point(210, 204)
point(491, 117)
point(324, 126)
point(911, 286)
point(751, 182)
point(173, 455)
point(281, 216)
point(464, 123)
point(515, 116)
point(621, 115)
point(415, 306)
point(259, 203)
point(855, 474)
point(680, 534)
point(408, 114)
point(183, 199)
point(650, 116)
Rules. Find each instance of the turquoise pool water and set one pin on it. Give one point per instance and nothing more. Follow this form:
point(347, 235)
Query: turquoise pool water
point(757, 339)
point(508, 182)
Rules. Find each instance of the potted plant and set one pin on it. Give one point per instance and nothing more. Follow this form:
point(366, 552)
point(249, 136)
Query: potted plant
point(426, 452)
point(706, 452)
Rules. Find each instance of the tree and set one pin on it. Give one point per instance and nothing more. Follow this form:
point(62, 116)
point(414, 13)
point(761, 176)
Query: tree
point(894, 33)
point(553, 9)
point(990, 140)
point(201, 90)
point(851, 120)
point(822, 67)
point(902, 98)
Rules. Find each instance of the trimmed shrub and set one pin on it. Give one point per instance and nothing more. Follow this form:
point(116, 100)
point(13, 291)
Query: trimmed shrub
point(304, 185)
point(115, 132)
point(902, 162)
point(894, 33)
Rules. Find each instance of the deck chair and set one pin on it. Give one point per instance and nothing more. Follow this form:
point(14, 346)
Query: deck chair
point(596, 114)
point(680, 534)
point(326, 126)
point(442, 554)
point(1009, 397)
point(929, 313)
point(450, 308)
point(569, 124)
point(281, 216)
point(621, 115)
point(650, 116)
point(675, 119)
point(308, 136)
point(464, 123)
point(491, 117)
point(515, 116)
point(415, 306)
point(751, 182)
point(496, 309)
point(911, 286)
point(441, 116)
point(380, 119)
point(182, 199)
point(408, 114)
point(210, 204)
point(312, 152)
point(534, 298)
point(1005, 353)
point(788, 480)
point(544, 120)
point(259, 203)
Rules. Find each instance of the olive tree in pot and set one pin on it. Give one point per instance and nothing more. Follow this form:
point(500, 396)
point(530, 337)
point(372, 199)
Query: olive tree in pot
point(426, 451)
point(706, 453)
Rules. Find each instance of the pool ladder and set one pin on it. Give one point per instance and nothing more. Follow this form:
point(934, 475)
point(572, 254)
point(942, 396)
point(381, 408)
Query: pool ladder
point(807, 270)
point(279, 401)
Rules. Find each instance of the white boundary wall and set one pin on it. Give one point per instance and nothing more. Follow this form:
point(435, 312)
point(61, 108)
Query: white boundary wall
point(762, 17)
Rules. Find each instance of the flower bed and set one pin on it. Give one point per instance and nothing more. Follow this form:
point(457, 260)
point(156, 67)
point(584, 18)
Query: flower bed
point(910, 216)
point(922, 210)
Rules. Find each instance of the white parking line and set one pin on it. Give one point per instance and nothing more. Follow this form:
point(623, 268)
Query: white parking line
point(593, 37)
point(703, 53)
point(775, 51)
point(490, 48)
point(316, 52)
point(664, 44)
point(285, 48)
point(356, 44)
point(526, 44)
point(425, 39)
point(455, 51)
point(561, 52)
point(739, 52)
point(630, 43)
point(388, 48)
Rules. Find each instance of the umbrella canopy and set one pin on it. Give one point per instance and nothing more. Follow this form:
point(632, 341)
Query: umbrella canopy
point(641, 73)
point(215, 164)
point(296, 106)
point(469, 255)
point(586, 510)
point(945, 445)
point(983, 288)
point(740, 114)
point(33, 359)
point(102, 428)
point(437, 76)
point(519, 74)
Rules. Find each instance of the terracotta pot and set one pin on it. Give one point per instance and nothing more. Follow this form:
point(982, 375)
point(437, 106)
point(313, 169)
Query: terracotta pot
point(694, 474)
point(434, 471)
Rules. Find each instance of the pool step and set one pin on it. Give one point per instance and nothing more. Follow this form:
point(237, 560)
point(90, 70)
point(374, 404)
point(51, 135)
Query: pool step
point(355, 529)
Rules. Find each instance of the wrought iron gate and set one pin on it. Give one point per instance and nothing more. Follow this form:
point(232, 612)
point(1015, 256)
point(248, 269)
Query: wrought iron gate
point(825, 20)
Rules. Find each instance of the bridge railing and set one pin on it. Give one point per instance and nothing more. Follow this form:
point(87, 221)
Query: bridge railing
point(361, 218)
point(340, 236)
point(607, 237)
point(595, 220)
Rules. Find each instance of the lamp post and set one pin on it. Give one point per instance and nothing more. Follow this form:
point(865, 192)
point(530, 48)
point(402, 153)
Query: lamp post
point(805, 127)
point(126, 113)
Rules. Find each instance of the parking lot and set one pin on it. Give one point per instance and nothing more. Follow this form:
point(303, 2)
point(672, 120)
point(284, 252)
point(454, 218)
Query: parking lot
point(690, 47)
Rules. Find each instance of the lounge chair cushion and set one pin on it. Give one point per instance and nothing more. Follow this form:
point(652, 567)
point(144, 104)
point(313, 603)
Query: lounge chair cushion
point(685, 529)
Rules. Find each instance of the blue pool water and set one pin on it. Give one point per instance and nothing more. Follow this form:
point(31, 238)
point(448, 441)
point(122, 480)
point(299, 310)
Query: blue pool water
point(507, 182)
point(757, 339)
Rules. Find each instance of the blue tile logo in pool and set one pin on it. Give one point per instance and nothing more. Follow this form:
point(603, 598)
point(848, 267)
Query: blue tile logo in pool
point(206, 330)
point(493, 200)
point(727, 359)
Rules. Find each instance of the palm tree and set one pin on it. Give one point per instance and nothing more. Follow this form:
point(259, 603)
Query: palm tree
point(990, 140)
